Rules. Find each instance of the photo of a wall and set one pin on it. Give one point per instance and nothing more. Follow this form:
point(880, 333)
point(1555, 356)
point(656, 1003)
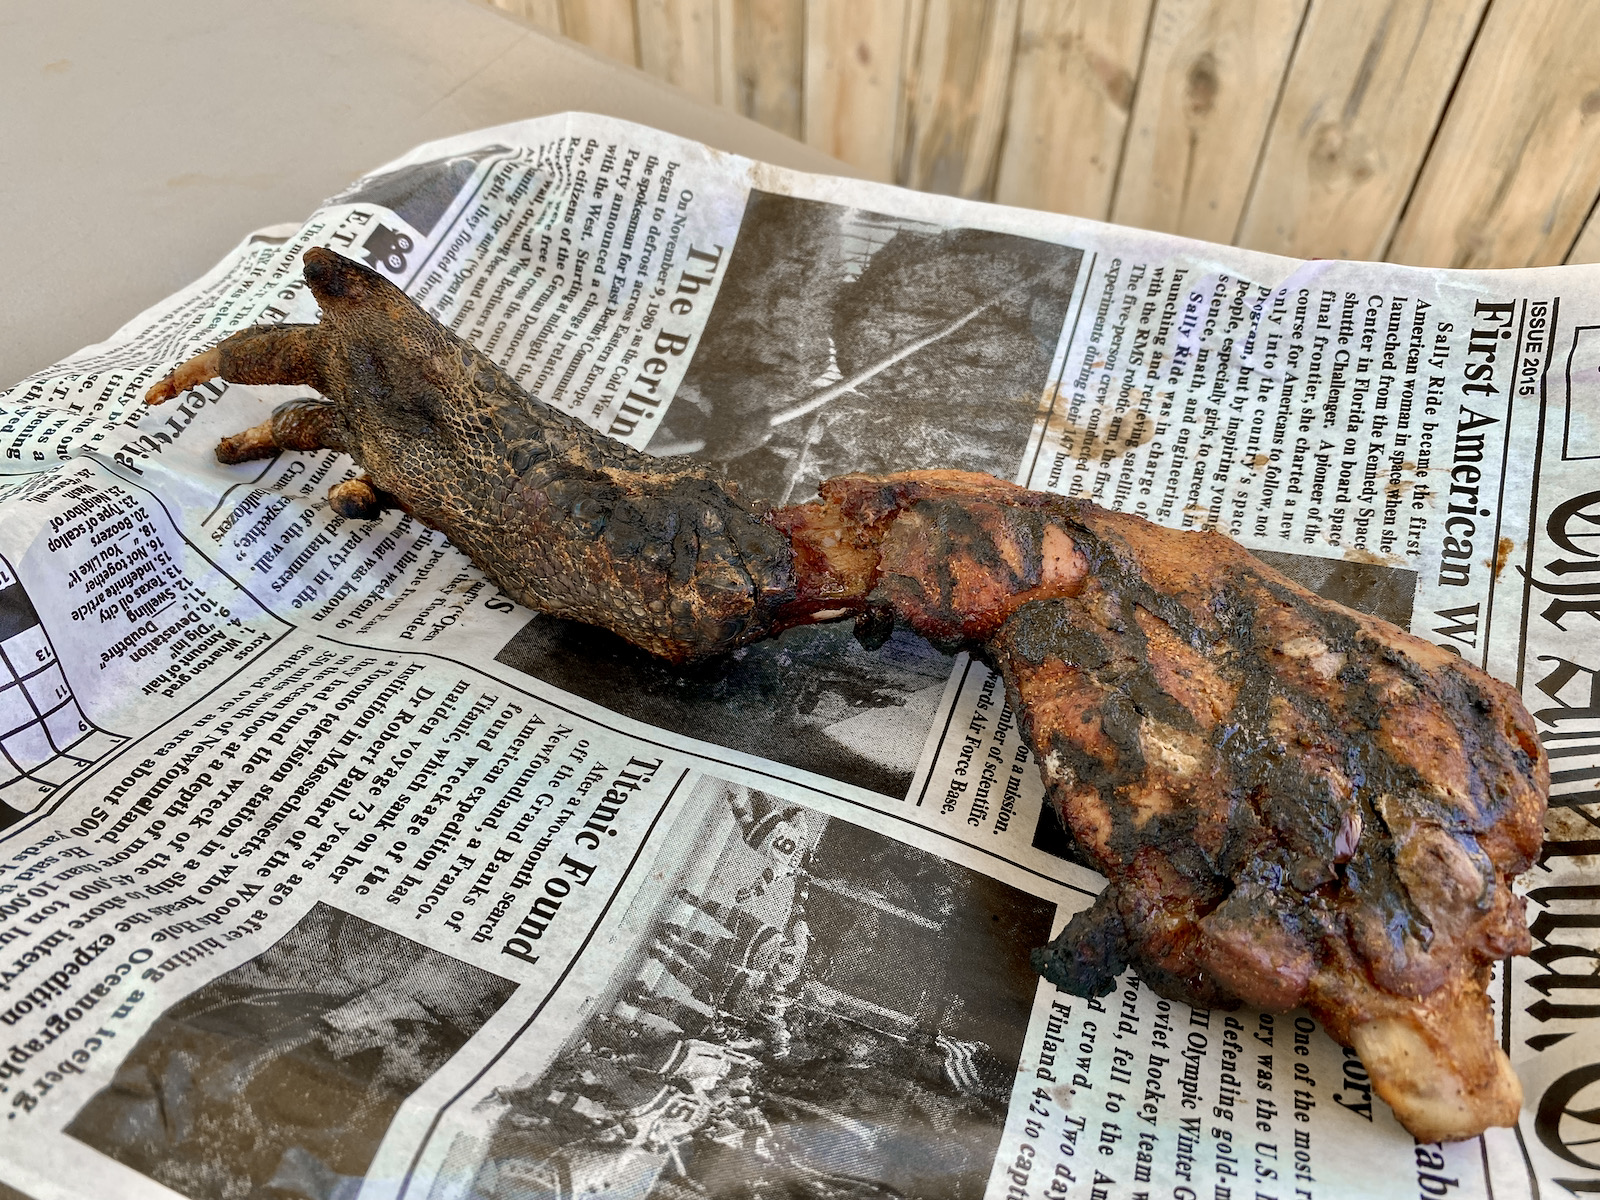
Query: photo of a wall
point(279, 1078)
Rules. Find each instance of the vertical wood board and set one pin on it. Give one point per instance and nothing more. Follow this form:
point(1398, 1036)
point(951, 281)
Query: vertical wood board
point(853, 63)
point(955, 104)
point(1587, 248)
point(545, 14)
point(678, 43)
point(1072, 90)
point(763, 68)
point(1368, 85)
point(1212, 72)
point(1515, 167)
point(607, 26)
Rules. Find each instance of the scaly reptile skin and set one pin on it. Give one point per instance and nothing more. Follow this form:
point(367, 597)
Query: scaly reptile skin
point(1293, 804)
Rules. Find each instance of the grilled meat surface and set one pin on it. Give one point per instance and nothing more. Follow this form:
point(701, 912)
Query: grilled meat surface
point(1292, 803)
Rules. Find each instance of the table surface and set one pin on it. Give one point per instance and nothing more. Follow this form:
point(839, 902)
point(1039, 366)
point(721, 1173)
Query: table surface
point(140, 142)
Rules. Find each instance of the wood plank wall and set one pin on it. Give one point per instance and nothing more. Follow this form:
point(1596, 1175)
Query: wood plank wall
point(1461, 133)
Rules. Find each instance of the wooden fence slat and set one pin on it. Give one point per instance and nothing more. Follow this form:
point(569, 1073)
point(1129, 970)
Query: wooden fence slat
point(1293, 126)
point(910, 72)
point(607, 26)
point(853, 61)
point(1515, 167)
point(1071, 92)
point(678, 43)
point(546, 14)
point(955, 105)
point(1369, 82)
point(726, 82)
point(1587, 248)
point(1212, 71)
point(763, 61)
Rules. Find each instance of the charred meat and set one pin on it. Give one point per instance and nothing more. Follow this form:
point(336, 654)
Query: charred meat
point(1293, 804)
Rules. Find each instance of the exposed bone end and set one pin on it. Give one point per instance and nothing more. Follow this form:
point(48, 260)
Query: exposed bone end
point(1445, 1084)
point(203, 366)
point(255, 442)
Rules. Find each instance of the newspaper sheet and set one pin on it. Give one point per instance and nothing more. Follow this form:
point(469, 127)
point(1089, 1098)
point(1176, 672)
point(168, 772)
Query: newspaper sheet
point(327, 871)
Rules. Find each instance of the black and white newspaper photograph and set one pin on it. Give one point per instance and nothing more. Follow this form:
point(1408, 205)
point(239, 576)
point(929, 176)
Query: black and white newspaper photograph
point(831, 321)
point(806, 1007)
point(281, 1076)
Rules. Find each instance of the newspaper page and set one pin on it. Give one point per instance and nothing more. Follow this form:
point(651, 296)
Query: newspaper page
point(327, 871)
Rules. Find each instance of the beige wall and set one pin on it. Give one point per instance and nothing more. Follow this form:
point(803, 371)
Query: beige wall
point(1446, 132)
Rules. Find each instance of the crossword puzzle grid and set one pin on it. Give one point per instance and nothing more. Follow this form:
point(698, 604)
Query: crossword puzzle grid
point(45, 740)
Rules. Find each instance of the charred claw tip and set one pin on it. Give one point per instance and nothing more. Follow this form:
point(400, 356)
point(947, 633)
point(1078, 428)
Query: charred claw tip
point(355, 499)
point(333, 276)
point(354, 510)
